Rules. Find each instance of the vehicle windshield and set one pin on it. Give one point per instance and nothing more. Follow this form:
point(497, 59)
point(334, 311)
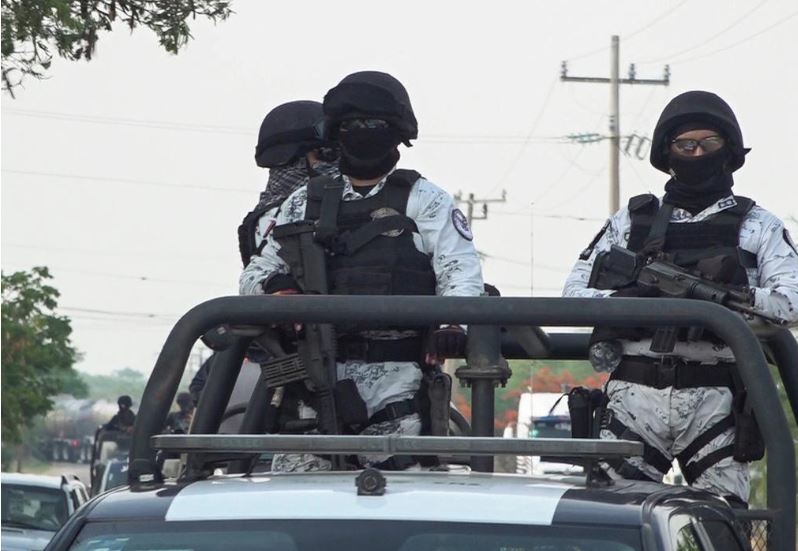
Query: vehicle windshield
point(33, 507)
point(347, 535)
point(551, 427)
point(116, 475)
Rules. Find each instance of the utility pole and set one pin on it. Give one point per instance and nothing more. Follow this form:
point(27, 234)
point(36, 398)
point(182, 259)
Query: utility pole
point(471, 201)
point(615, 126)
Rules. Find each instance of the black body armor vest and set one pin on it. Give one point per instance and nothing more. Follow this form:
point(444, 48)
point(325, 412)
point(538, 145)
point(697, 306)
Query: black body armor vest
point(689, 243)
point(369, 242)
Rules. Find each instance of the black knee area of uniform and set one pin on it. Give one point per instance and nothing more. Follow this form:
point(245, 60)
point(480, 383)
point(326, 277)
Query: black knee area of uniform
point(350, 407)
point(748, 442)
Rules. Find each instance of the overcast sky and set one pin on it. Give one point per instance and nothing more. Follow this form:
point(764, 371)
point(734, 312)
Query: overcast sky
point(128, 175)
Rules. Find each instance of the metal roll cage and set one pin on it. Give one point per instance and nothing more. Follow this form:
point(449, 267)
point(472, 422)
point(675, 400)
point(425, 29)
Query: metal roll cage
point(497, 328)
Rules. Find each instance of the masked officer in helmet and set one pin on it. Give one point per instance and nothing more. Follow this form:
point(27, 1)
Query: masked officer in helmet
point(689, 416)
point(291, 146)
point(428, 252)
point(178, 422)
point(124, 419)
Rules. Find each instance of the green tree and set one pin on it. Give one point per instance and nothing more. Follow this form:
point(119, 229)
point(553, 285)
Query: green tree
point(33, 31)
point(121, 381)
point(37, 354)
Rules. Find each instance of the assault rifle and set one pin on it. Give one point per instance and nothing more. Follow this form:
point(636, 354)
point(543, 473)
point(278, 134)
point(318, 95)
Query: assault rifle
point(315, 360)
point(621, 268)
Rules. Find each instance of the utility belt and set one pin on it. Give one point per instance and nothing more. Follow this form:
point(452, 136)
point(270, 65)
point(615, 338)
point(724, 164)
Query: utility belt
point(673, 372)
point(380, 350)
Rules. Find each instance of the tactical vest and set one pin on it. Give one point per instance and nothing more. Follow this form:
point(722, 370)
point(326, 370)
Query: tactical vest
point(687, 244)
point(247, 246)
point(369, 242)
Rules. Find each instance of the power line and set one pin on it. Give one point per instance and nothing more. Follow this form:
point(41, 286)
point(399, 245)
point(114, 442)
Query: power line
point(237, 130)
point(629, 36)
point(710, 38)
point(96, 252)
point(142, 278)
point(739, 42)
point(118, 313)
point(107, 179)
point(511, 166)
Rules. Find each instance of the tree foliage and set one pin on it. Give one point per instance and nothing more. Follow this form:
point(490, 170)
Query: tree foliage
point(34, 31)
point(121, 381)
point(548, 376)
point(37, 355)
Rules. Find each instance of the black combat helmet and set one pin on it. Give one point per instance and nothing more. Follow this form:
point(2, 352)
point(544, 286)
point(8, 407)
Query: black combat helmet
point(125, 400)
point(289, 131)
point(697, 107)
point(370, 94)
point(184, 400)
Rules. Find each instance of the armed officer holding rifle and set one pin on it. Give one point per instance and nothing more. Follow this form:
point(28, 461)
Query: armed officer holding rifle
point(383, 231)
point(677, 389)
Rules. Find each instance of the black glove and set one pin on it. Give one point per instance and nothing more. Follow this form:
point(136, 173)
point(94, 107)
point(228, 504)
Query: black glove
point(447, 342)
point(281, 284)
point(636, 292)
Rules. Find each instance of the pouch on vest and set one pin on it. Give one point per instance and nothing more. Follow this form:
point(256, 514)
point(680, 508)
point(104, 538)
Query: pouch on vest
point(748, 442)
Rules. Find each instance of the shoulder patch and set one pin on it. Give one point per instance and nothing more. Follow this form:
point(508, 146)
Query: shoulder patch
point(461, 224)
point(728, 202)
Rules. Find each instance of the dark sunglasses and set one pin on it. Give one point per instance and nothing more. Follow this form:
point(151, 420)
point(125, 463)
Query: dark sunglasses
point(371, 124)
point(689, 145)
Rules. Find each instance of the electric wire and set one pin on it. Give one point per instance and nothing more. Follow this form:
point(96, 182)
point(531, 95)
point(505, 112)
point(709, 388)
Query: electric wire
point(512, 164)
point(739, 42)
point(130, 181)
point(709, 39)
point(632, 34)
point(208, 128)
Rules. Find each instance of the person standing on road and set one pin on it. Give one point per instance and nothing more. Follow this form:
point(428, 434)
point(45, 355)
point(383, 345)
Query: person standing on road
point(411, 241)
point(686, 402)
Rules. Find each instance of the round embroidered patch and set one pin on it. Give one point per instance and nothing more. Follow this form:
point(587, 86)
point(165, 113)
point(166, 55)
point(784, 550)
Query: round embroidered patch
point(461, 224)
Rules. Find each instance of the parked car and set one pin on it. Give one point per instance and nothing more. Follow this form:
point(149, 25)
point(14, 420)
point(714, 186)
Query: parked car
point(35, 506)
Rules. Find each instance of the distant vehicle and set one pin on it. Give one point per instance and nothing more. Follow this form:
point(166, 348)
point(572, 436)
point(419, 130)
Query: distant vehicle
point(69, 428)
point(110, 448)
point(114, 475)
point(35, 506)
point(542, 415)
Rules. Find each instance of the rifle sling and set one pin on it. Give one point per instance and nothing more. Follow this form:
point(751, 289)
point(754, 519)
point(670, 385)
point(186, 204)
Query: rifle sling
point(350, 242)
point(332, 194)
point(655, 241)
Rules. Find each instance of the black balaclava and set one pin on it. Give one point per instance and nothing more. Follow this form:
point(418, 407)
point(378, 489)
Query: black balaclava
point(368, 152)
point(696, 183)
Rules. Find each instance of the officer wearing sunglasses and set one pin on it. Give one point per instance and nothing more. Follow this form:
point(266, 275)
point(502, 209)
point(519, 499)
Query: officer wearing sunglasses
point(680, 402)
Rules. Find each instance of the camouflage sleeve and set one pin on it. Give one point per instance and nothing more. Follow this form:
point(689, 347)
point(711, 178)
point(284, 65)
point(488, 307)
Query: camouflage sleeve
point(776, 293)
point(614, 232)
point(443, 233)
point(268, 263)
